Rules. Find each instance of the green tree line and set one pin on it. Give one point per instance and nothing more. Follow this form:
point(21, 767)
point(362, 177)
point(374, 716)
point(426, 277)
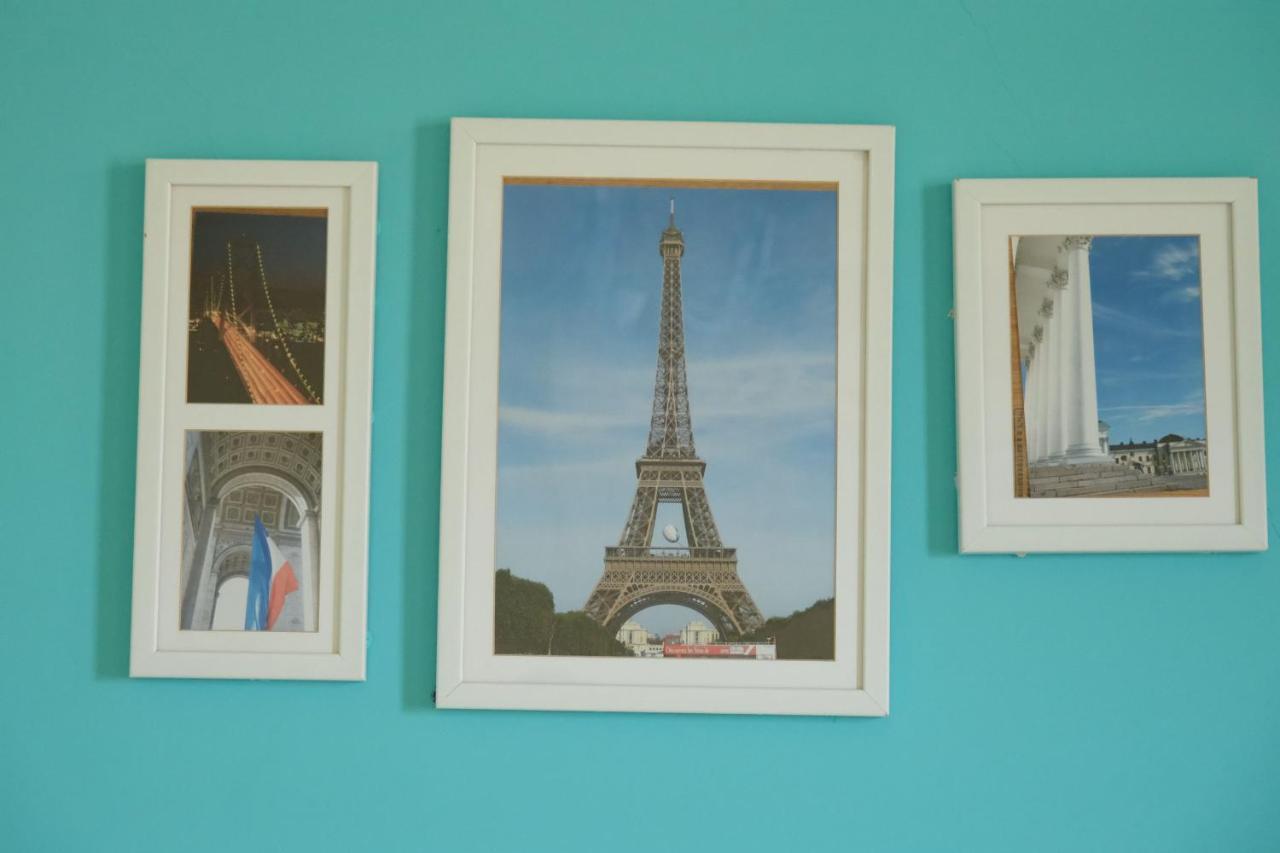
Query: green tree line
point(808, 634)
point(526, 623)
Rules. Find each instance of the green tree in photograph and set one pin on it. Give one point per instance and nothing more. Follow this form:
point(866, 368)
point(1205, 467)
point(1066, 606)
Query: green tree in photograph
point(808, 634)
point(576, 633)
point(525, 623)
point(524, 612)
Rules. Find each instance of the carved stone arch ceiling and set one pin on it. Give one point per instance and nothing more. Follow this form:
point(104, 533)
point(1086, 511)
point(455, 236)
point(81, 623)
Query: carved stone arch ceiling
point(265, 501)
point(231, 563)
point(295, 456)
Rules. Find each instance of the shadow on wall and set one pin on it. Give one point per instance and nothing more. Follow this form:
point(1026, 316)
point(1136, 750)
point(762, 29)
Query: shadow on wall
point(939, 374)
point(423, 393)
point(121, 289)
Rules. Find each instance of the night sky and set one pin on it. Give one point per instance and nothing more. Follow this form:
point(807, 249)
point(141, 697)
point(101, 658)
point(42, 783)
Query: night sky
point(293, 256)
point(293, 244)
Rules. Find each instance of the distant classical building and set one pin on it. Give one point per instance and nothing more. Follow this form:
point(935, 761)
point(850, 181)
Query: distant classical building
point(1171, 455)
point(698, 633)
point(633, 634)
point(1181, 456)
point(1140, 456)
point(639, 641)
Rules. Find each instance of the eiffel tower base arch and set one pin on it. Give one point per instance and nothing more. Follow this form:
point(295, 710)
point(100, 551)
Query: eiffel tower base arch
point(705, 582)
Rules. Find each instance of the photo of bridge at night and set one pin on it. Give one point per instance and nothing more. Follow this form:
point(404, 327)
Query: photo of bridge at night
point(256, 325)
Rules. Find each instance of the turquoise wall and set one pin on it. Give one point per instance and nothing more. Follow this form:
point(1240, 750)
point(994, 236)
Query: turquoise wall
point(1050, 703)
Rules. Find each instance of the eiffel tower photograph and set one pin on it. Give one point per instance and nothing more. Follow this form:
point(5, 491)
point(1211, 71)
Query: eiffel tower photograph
point(630, 313)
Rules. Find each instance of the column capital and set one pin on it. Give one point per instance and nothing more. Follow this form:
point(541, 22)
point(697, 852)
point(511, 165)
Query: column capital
point(1081, 241)
point(1058, 279)
point(1046, 308)
point(1037, 334)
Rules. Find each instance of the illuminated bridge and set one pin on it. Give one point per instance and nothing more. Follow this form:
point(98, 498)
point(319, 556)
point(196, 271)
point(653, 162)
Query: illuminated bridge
point(264, 382)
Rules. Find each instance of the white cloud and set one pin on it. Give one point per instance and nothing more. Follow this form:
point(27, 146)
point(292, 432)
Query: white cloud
point(1185, 294)
point(1186, 375)
point(556, 520)
point(1104, 313)
point(772, 386)
point(1175, 262)
point(559, 507)
point(795, 387)
point(1192, 405)
point(531, 419)
point(1155, 413)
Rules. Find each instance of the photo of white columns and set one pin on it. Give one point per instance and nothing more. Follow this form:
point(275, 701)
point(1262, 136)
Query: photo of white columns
point(1055, 314)
point(1080, 415)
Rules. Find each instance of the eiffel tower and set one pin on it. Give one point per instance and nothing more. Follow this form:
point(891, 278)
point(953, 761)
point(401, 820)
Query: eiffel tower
point(703, 575)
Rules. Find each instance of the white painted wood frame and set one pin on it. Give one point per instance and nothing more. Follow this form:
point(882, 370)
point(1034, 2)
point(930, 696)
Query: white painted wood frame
point(1223, 213)
point(859, 160)
point(336, 649)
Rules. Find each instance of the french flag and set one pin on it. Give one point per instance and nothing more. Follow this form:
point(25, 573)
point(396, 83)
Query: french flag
point(271, 581)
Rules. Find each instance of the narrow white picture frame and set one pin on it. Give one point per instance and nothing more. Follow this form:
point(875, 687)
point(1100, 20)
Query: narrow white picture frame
point(860, 161)
point(1229, 513)
point(295, 450)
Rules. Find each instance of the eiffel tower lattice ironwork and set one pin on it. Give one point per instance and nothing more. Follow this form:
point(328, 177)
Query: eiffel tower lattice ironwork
point(703, 574)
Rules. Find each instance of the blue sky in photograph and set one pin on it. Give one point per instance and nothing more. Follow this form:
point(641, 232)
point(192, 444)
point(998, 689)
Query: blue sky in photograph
point(1148, 336)
point(581, 292)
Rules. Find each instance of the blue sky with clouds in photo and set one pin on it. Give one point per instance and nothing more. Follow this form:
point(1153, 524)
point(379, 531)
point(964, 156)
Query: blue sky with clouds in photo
point(1148, 336)
point(581, 291)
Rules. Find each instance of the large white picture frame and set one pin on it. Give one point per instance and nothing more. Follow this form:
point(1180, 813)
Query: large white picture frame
point(858, 162)
point(1165, 504)
point(253, 420)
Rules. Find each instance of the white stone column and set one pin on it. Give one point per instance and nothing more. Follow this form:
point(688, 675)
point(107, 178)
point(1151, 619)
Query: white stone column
point(202, 555)
point(1036, 389)
point(1029, 389)
point(1028, 401)
point(311, 571)
point(207, 584)
point(1033, 390)
point(1053, 406)
point(1048, 387)
point(1037, 410)
point(1079, 373)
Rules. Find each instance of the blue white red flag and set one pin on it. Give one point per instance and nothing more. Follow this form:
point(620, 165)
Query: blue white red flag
point(271, 581)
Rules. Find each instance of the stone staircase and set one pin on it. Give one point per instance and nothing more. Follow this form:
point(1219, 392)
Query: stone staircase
point(1101, 478)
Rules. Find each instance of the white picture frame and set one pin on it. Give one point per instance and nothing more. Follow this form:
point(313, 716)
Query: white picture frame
point(312, 468)
point(1229, 514)
point(860, 160)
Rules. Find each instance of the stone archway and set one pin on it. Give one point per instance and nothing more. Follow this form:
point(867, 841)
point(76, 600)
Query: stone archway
point(291, 520)
point(231, 564)
point(273, 477)
point(719, 618)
